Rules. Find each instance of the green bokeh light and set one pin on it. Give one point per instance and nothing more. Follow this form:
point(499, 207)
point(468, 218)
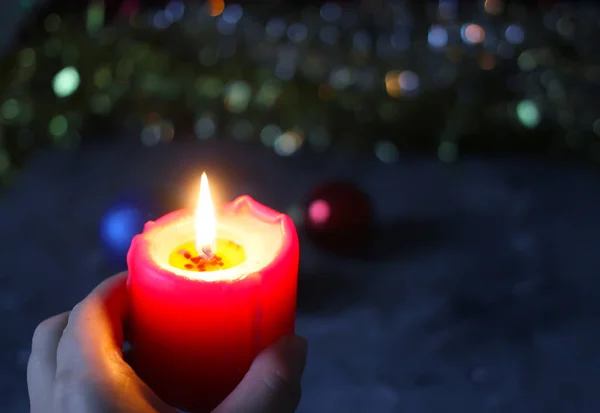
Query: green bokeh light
point(268, 93)
point(528, 113)
point(95, 16)
point(58, 126)
point(238, 96)
point(447, 152)
point(102, 77)
point(27, 57)
point(526, 61)
point(66, 82)
point(10, 109)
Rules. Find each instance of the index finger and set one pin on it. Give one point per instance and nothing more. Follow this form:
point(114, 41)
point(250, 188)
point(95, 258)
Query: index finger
point(94, 332)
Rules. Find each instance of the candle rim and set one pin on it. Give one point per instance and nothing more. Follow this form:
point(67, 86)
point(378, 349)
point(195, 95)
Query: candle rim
point(256, 209)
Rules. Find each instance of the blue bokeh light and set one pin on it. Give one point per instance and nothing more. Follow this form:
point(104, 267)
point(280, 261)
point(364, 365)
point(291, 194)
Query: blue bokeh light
point(118, 227)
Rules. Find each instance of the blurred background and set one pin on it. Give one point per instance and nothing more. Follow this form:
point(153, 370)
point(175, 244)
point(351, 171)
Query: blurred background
point(439, 158)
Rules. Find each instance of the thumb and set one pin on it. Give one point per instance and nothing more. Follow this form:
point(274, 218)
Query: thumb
point(272, 385)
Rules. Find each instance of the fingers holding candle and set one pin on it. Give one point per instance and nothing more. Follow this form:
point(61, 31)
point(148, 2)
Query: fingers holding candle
point(94, 334)
point(76, 363)
point(45, 342)
point(272, 385)
point(41, 367)
point(71, 347)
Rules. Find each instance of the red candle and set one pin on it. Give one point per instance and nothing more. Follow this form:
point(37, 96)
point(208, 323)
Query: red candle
point(208, 292)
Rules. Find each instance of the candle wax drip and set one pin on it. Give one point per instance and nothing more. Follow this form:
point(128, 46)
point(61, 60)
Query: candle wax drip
point(186, 257)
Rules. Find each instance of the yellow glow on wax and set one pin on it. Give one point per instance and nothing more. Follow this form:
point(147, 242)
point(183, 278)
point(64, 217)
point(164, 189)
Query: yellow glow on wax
point(185, 257)
point(205, 222)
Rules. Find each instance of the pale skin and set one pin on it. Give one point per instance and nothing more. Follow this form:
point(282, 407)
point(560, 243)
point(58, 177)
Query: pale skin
point(77, 366)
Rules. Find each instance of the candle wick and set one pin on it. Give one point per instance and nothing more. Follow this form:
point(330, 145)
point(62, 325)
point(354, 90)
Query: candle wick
point(207, 252)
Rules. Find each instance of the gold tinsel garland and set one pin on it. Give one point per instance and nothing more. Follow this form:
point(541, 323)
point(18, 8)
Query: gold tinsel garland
point(330, 77)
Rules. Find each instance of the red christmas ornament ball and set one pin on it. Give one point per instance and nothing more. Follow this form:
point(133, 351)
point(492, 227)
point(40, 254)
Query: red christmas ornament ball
point(338, 217)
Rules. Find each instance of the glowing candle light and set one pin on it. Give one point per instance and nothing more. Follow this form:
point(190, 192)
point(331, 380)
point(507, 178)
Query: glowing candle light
point(209, 290)
point(206, 223)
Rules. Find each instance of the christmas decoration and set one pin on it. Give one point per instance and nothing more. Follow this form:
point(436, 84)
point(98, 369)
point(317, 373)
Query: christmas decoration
point(388, 77)
point(338, 218)
point(121, 222)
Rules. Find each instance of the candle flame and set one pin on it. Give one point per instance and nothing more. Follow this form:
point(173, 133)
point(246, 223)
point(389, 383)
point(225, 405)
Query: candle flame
point(206, 222)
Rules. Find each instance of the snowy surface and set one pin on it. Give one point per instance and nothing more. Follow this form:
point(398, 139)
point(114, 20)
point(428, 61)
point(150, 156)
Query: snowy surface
point(483, 297)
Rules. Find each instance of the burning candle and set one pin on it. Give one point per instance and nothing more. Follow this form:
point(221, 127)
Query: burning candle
point(209, 290)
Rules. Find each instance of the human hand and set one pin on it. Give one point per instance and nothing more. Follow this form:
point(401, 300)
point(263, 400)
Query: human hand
point(77, 366)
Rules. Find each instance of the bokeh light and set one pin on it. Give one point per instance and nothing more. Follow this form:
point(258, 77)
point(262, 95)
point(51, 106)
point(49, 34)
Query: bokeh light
point(340, 78)
point(215, 7)
point(27, 57)
point(226, 28)
point(437, 37)
point(398, 83)
point(288, 143)
point(494, 6)
point(174, 10)
point(118, 227)
point(237, 96)
point(160, 130)
point(268, 93)
point(339, 59)
point(10, 109)
point(275, 28)
point(66, 82)
point(447, 151)
point(297, 32)
point(330, 12)
point(565, 26)
point(409, 81)
point(319, 212)
point(472, 33)
point(232, 13)
point(487, 61)
point(527, 61)
point(205, 127)
point(386, 151)
point(392, 83)
point(269, 134)
point(528, 113)
point(514, 34)
point(59, 125)
point(95, 15)
point(102, 77)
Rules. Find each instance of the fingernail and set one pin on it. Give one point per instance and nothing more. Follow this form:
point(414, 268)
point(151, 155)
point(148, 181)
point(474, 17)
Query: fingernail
point(296, 349)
